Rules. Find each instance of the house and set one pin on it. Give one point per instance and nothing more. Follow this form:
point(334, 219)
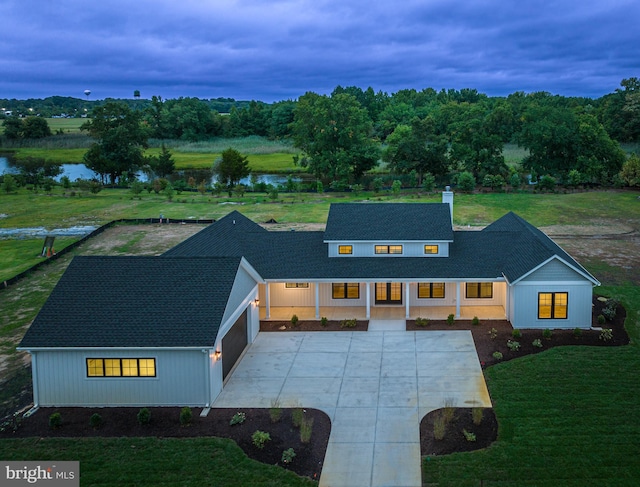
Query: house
point(168, 330)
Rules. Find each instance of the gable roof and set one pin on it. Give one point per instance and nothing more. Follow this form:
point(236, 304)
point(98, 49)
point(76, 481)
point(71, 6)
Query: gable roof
point(135, 302)
point(526, 248)
point(389, 221)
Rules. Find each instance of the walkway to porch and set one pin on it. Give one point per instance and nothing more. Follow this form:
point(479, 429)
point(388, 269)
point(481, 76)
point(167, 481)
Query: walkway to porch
point(280, 313)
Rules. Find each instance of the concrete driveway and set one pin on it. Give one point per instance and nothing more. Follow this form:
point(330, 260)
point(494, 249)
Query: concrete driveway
point(375, 386)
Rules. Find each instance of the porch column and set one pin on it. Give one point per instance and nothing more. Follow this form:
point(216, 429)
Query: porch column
point(268, 300)
point(316, 285)
point(406, 298)
point(457, 299)
point(367, 295)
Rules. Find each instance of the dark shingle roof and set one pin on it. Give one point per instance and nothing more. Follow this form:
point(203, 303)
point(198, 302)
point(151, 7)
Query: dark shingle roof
point(135, 302)
point(389, 221)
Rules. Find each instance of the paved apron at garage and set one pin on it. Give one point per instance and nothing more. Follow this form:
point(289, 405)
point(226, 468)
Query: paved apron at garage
point(375, 386)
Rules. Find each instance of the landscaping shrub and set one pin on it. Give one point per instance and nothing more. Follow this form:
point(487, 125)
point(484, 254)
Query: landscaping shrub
point(451, 319)
point(466, 182)
point(275, 411)
point(497, 355)
point(238, 418)
point(186, 416)
point(513, 345)
point(144, 416)
point(610, 310)
point(475, 321)
point(349, 323)
point(448, 410)
point(547, 334)
point(422, 321)
point(537, 343)
point(55, 421)
point(606, 334)
point(468, 435)
point(601, 320)
point(288, 455)
point(95, 420)
point(324, 321)
point(306, 428)
point(493, 333)
point(294, 320)
point(577, 333)
point(260, 438)
point(517, 334)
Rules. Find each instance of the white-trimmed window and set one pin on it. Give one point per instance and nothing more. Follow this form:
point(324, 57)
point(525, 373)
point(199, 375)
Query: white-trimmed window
point(430, 249)
point(427, 290)
point(388, 249)
point(479, 290)
point(345, 290)
point(345, 249)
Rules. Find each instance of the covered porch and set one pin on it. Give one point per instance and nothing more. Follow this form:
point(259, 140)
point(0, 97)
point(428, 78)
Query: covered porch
point(284, 313)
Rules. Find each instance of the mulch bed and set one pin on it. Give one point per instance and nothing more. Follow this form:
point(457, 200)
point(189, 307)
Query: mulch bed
point(312, 325)
point(165, 422)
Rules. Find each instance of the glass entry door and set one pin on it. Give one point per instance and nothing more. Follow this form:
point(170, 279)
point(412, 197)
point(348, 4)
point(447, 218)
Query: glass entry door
point(388, 293)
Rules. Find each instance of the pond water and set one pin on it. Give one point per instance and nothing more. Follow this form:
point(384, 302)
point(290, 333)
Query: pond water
point(80, 171)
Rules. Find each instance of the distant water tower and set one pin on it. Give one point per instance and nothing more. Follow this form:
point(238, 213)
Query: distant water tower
point(87, 93)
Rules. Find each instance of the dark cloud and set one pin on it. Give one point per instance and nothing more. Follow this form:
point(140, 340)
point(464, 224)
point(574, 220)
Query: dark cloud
point(252, 49)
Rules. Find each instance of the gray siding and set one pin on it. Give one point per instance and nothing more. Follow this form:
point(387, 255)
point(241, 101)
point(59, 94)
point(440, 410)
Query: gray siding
point(181, 379)
point(523, 307)
point(555, 271)
point(409, 249)
point(244, 289)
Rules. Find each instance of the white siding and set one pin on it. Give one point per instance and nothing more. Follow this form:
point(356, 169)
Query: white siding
point(181, 379)
point(409, 249)
point(524, 305)
point(280, 295)
point(498, 299)
point(242, 291)
point(448, 300)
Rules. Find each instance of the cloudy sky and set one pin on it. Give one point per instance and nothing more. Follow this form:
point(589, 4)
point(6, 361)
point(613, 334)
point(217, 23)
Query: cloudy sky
point(273, 50)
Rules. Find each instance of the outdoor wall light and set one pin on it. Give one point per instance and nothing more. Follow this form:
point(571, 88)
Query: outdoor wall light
point(257, 302)
point(217, 354)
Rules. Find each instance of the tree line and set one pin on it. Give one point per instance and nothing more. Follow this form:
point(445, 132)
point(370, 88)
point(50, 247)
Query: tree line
point(427, 133)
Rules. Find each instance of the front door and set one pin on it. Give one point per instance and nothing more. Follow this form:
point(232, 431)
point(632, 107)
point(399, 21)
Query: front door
point(388, 293)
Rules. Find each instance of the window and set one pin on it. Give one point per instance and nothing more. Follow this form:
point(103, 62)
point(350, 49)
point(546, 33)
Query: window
point(345, 249)
point(345, 290)
point(431, 290)
point(552, 306)
point(388, 293)
point(480, 290)
point(430, 249)
point(296, 285)
point(388, 249)
point(121, 367)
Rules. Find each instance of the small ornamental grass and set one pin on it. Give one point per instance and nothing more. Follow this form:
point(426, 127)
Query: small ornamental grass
point(476, 415)
point(238, 418)
point(577, 333)
point(275, 411)
point(547, 334)
point(297, 415)
point(349, 323)
point(260, 438)
point(306, 428)
point(439, 426)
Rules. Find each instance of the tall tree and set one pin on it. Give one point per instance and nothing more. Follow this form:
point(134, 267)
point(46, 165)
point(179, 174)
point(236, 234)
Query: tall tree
point(120, 140)
point(335, 135)
point(163, 164)
point(35, 128)
point(231, 168)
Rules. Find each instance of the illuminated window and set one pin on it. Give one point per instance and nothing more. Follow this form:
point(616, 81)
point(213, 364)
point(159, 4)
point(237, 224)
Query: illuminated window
point(345, 249)
point(125, 367)
point(552, 306)
point(95, 367)
point(112, 367)
point(388, 249)
point(431, 290)
point(345, 290)
point(430, 249)
point(479, 290)
point(296, 285)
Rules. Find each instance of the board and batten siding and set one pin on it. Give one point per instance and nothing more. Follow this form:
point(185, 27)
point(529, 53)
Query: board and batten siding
point(524, 305)
point(554, 270)
point(409, 249)
point(181, 379)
